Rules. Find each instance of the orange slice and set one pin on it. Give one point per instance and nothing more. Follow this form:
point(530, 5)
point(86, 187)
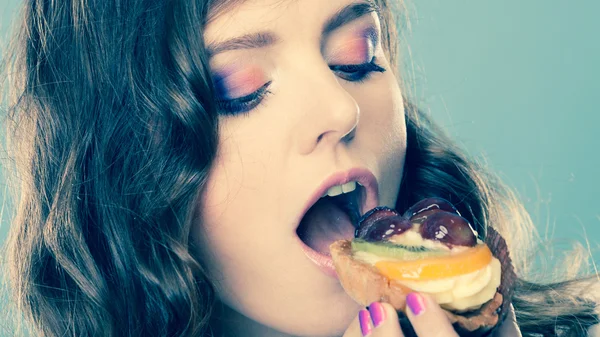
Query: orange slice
point(432, 268)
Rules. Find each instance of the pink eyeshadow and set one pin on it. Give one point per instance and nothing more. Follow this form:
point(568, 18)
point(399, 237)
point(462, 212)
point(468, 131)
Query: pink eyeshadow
point(354, 51)
point(239, 83)
point(359, 48)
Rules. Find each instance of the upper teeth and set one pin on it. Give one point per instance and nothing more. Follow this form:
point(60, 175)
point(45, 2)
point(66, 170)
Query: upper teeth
point(339, 189)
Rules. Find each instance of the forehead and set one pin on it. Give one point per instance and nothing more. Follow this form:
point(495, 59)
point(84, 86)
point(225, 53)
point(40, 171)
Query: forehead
point(236, 17)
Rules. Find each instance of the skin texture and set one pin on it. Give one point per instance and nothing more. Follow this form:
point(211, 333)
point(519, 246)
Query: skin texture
point(271, 160)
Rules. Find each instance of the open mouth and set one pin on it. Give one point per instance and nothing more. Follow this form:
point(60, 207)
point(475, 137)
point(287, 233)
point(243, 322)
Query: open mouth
point(332, 218)
point(332, 214)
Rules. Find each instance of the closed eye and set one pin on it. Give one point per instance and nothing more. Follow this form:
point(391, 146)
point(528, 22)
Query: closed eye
point(357, 72)
point(349, 72)
point(243, 104)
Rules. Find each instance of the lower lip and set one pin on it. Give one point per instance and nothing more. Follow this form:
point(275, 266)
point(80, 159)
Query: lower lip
point(323, 262)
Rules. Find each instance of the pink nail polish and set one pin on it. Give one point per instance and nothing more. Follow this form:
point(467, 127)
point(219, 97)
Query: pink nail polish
point(365, 322)
point(377, 312)
point(416, 303)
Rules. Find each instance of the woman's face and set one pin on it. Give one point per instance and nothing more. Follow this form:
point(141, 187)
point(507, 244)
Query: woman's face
point(308, 101)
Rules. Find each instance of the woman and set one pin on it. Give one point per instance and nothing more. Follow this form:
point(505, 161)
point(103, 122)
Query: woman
point(171, 151)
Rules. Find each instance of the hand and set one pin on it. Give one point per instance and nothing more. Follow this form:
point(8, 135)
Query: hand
point(381, 320)
point(425, 316)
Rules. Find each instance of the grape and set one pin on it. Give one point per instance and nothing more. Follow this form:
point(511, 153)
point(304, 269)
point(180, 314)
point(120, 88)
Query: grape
point(421, 217)
point(439, 221)
point(386, 227)
point(448, 228)
point(430, 204)
point(371, 217)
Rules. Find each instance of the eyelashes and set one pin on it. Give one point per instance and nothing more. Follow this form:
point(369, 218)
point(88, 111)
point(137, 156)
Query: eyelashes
point(351, 72)
point(243, 104)
point(357, 72)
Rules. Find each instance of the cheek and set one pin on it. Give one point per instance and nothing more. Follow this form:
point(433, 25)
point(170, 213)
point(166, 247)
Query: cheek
point(235, 174)
point(224, 232)
point(213, 231)
point(395, 151)
point(236, 193)
point(382, 106)
point(391, 117)
point(384, 132)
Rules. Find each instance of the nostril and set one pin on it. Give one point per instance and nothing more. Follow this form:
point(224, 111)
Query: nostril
point(349, 136)
point(345, 138)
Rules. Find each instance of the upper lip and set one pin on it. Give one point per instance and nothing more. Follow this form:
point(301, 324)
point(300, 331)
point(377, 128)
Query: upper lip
point(363, 176)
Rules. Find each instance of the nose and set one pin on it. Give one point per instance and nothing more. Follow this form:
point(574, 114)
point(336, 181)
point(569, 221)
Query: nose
point(330, 115)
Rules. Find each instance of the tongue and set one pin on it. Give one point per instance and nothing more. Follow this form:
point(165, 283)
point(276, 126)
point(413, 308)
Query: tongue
point(323, 224)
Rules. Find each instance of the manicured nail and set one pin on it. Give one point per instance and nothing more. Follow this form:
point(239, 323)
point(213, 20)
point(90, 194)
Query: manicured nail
point(416, 303)
point(365, 322)
point(377, 313)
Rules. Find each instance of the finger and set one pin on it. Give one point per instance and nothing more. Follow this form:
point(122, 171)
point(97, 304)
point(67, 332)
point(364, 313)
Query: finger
point(385, 320)
point(378, 320)
point(509, 327)
point(427, 318)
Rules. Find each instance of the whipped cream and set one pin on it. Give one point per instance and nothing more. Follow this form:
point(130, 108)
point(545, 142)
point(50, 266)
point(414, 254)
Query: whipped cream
point(462, 292)
point(459, 293)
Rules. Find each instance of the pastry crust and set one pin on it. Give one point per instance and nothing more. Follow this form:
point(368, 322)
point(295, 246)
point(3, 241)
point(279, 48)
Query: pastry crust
point(362, 281)
point(366, 285)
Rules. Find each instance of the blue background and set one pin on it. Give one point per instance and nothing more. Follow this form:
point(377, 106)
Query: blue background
point(516, 83)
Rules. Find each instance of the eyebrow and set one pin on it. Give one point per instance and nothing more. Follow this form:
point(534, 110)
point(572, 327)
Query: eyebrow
point(248, 41)
point(263, 39)
point(348, 14)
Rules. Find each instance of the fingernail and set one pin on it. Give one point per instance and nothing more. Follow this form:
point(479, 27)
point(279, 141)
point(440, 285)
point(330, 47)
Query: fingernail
point(365, 322)
point(377, 312)
point(416, 303)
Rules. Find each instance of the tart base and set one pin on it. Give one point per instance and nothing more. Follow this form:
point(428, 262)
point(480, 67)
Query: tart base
point(366, 285)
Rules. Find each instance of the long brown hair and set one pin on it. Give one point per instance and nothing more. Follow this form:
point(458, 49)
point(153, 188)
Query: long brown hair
point(113, 128)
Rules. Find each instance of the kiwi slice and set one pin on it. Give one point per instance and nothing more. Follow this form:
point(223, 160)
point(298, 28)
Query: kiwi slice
point(396, 251)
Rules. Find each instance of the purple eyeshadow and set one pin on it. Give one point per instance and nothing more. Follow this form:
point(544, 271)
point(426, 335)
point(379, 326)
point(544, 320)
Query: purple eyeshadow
point(220, 84)
point(371, 34)
point(220, 89)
